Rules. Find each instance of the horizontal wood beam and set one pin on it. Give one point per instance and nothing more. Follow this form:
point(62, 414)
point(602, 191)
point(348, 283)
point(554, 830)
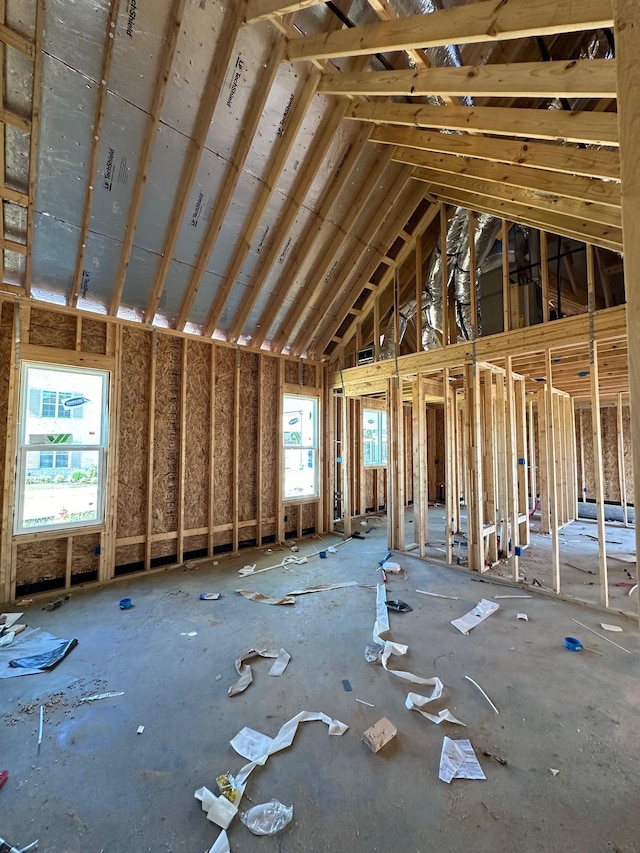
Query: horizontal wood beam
point(473, 23)
point(14, 196)
point(565, 159)
point(14, 39)
point(258, 10)
point(580, 209)
point(577, 229)
point(12, 246)
point(608, 324)
point(587, 78)
point(9, 117)
point(585, 189)
point(587, 127)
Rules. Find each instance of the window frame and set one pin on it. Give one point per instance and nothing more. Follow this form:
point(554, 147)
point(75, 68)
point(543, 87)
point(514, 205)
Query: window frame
point(380, 415)
point(312, 395)
point(23, 448)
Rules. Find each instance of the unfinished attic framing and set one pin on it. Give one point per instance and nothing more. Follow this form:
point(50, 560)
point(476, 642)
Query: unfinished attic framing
point(424, 210)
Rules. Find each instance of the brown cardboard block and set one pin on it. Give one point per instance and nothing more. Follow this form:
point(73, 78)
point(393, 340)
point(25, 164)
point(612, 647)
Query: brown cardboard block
point(379, 734)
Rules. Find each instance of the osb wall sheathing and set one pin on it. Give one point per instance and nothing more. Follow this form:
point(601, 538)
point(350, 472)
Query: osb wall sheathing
point(83, 556)
point(51, 329)
point(248, 436)
point(610, 471)
point(270, 439)
point(166, 436)
point(128, 554)
point(93, 336)
point(292, 372)
point(133, 439)
point(224, 436)
point(41, 560)
point(198, 427)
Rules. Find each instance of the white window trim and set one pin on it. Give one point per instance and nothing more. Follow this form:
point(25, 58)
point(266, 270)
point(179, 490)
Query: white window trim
point(22, 449)
point(308, 394)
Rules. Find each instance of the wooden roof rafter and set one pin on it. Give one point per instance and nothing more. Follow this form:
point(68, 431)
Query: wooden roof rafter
point(420, 227)
point(146, 153)
point(230, 183)
point(301, 253)
point(278, 160)
point(76, 284)
point(313, 286)
point(213, 86)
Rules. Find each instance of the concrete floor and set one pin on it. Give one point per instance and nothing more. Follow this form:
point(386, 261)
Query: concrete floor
point(97, 786)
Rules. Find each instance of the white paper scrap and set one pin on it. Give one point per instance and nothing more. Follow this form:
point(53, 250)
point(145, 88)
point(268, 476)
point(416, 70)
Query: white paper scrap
point(554, 771)
point(607, 627)
point(415, 702)
point(221, 844)
point(380, 628)
point(522, 616)
point(139, 730)
point(222, 812)
point(480, 612)
point(458, 761)
point(389, 566)
point(280, 663)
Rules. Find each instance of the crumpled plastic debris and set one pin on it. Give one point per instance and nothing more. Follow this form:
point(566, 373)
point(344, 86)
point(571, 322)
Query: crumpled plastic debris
point(47, 660)
point(398, 606)
point(267, 818)
point(373, 652)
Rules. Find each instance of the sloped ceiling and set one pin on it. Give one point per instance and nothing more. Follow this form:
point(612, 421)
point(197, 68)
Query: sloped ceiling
point(257, 171)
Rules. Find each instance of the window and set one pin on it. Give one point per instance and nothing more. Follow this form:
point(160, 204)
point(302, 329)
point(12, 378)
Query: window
point(300, 446)
point(374, 437)
point(62, 447)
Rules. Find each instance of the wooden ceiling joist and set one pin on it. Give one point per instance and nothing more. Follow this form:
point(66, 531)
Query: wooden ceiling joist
point(565, 159)
point(587, 78)
point(473, 23)
point(230, 183)
point(317, 154)
point(597, 235)
point(419, 228)
point(317, 282)
point(144, 160)
point(584, 127)
point(299, 256)
point(213, 85)
point(278, 159)
point(590, 212)
point(589, 189)
point(96, 141)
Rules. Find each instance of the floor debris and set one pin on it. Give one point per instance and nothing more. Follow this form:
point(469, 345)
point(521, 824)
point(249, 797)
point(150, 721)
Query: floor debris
point(379, 734)
point(483, 609)
point(458, 761)
point(209, 596)
point(139, 730)
point(612, 628)
point(522, 616)
point(362, 702)
point(267, 818)
point(476, 685)
point(98, 696)
point(282, 658)
point(437, 595)
point(415, 702)
point(602, 637)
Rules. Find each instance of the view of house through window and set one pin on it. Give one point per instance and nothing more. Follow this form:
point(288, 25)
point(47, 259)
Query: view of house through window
point(374, 437)
point(300, 443)
point(63, 440)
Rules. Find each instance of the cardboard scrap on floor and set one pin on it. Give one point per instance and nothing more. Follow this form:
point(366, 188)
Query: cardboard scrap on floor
point(483, 609)
point(243, 669)
point(379, 734)
point(458, 761)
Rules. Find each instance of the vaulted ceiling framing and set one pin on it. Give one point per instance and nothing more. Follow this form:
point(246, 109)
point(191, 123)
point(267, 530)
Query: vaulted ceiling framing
point(259, 172)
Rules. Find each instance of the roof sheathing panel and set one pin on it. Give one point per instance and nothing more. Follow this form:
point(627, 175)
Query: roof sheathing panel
point(196, 46)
